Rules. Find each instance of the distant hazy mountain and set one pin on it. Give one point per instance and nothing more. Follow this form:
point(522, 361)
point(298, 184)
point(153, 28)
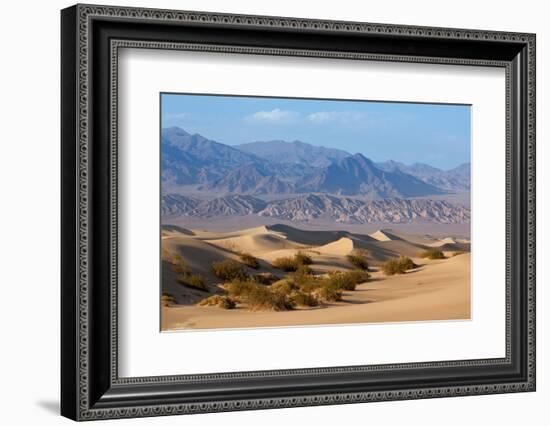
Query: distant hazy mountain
point(357, 174)
point(311, 207)
point(188, 159)
point(294, 152)
point(191, 159)
point(457, 179)
point(251, 179)
point(462, 171)
point(278, 167)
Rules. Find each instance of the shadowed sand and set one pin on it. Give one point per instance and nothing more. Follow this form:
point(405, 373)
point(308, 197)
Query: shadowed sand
point(436, 290)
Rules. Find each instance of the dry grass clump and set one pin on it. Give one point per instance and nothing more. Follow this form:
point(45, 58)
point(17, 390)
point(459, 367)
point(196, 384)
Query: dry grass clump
point(229, 269)
point(285, 287)
point(239, 289)
point(167, 299)
point(303, 259)
point(433, 254)
point(407, 263)
point(328, 293)
point(258, 297)
point(392, 267)
point(347, 280)
point(301, 274)
point(301, 298)
point(249, 260)
point(398, 266)
point(266, 278)
point(193, 281)
point(262, 298)
point(291, 264)
point(300, 288)
point(223, 302)
point(358, 258)
point(286, 264)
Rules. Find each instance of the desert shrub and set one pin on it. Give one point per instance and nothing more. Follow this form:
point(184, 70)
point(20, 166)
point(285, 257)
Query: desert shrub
point(239, 289)
point(263, 298)
point(303, 273)
point(328, 293)
point(265, 278)
point(358, 258)
point(347, 280)
point(193, 281)
point(341, 282)
point(392, 267)
point(357, 277)
point(249, 260)
point(259, 297)
point(287, 264)
point(304, 279)
point(291, 264)
point(312, 284)
point(167, 299)
point(229, 269)
point(301, 298)
point(433, 254)
point(303, 259)
point(223, 302)
point(285, 287)
point(406, 263)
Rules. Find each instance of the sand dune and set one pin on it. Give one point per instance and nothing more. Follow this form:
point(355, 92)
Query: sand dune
point(384, 235)
point(213, 235)
point(342, 247)
point(438, 289)
point(198, 254)
point(256, 242)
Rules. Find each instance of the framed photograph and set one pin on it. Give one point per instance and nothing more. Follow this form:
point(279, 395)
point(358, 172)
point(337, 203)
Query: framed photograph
point(263, 212)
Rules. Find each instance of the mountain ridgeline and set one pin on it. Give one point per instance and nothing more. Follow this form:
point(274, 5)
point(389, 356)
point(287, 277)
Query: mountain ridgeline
point(296, 181)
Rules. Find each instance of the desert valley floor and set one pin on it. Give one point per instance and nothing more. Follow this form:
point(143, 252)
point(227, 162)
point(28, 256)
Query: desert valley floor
point(437, 289)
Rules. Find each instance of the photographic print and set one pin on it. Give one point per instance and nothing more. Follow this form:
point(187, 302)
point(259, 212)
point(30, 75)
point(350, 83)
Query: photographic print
point(281, 212)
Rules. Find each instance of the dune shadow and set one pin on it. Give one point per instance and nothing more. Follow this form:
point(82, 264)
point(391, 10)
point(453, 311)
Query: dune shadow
point(357, 302)
point(179, 229)
point(414, 271)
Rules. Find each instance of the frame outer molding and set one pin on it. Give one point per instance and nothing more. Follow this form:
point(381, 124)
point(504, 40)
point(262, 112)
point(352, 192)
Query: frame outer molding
point(76, 402)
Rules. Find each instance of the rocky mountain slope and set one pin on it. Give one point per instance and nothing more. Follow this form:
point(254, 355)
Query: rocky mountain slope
point(294, 153)
point(311, 207)
point(457, 179)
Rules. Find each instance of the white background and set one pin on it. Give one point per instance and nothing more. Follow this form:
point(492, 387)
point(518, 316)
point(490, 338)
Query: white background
point(146, 352)
point(29, 225)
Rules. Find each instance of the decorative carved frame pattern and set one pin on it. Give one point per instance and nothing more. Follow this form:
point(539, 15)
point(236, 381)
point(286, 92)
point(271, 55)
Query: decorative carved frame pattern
point(85, 13)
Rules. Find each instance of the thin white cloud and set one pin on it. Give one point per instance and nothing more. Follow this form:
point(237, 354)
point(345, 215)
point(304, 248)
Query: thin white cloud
point(274, 116)
point(177, 116)
point(337, 116)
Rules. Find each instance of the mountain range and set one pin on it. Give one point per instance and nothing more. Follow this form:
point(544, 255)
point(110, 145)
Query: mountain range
point(311, 207)
point(279, 167)
point(457, 179)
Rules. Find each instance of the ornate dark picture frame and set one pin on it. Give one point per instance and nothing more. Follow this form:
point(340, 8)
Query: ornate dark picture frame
point(91, 37)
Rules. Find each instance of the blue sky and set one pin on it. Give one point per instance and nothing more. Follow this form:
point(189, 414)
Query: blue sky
point(435, 134)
